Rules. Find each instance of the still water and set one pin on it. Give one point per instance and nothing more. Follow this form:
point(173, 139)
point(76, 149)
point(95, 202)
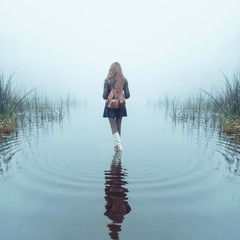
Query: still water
point(173, 181)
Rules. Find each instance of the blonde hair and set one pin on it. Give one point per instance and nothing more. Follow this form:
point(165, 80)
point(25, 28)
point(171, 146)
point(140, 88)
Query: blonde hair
point(115, 72)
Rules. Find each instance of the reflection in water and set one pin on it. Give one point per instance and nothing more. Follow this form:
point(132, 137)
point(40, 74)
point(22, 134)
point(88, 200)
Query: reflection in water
point(23, 140)
point(207, 133)
point(231, 153)
point(116, 196)
point(8, 148)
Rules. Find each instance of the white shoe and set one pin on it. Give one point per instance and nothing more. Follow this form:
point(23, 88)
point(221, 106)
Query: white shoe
point(117, 142)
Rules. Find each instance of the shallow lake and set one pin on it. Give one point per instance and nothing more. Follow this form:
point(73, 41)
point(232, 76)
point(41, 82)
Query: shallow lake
point(173, 181)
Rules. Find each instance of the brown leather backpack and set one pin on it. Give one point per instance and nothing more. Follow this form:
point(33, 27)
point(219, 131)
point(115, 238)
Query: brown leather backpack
point(115, 100)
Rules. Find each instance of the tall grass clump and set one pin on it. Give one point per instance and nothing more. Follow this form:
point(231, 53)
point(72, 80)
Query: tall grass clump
point(226, 102)
point(11, 99)
point(20, 107)
point(219, 107)
point(229, 101)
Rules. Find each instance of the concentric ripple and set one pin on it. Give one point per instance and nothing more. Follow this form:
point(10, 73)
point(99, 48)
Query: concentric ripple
point(68, 181)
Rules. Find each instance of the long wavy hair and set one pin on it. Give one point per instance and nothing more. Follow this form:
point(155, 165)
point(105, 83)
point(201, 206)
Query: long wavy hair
point(115, 72)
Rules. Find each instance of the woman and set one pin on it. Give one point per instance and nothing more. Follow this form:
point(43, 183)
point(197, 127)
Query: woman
point(117, 81)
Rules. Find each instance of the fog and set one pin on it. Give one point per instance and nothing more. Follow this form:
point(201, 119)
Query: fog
point(165, 47)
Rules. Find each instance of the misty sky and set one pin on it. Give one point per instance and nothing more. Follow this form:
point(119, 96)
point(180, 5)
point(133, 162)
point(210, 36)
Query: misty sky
point(166, 46)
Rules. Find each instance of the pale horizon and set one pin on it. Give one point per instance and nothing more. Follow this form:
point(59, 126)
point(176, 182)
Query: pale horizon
point(164, 47)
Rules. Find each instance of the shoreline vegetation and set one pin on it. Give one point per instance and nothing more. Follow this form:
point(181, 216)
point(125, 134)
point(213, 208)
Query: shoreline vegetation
point(218, 108)
point(19, 108)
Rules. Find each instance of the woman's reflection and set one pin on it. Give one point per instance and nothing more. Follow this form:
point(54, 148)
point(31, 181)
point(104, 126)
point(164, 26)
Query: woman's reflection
point(116, 196)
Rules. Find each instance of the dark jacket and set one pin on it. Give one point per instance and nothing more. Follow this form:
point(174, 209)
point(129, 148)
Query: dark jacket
point(107, 88)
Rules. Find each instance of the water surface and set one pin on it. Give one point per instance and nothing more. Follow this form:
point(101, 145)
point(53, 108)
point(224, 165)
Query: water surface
point(173, 181)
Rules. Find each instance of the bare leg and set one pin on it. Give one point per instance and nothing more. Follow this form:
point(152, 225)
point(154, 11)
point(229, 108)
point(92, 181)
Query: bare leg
point(119, 122)
point(113, 125)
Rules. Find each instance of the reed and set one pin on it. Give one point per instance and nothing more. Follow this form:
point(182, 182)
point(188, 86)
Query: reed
point(6, 124)
point(219, 107)
point(18, 107)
